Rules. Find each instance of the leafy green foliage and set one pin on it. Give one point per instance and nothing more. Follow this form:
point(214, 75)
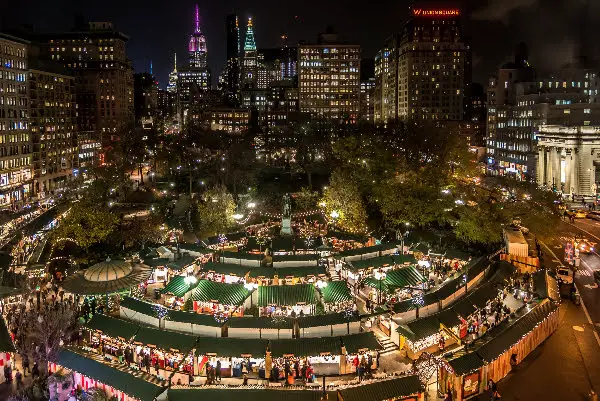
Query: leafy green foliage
point(215, 212)
point(344, 198)
point(86, 225)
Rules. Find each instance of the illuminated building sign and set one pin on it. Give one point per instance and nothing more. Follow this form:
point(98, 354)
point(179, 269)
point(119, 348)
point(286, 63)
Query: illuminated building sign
point(419, 12)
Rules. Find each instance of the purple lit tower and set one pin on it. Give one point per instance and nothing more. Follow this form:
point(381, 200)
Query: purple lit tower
point(197, 45)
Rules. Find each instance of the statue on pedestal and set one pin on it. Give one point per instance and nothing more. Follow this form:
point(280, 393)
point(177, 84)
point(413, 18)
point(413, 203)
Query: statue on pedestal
point(286, 219)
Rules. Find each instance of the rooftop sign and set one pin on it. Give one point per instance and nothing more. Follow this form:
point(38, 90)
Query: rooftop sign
point(419, 12)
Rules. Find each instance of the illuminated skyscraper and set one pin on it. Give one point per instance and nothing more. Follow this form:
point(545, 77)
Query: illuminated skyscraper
point(231, 77)
point(250, 67)
point(172, 85)
point(195, 80)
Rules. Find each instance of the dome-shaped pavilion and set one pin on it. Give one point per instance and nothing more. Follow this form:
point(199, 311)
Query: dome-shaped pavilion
point(107, 277)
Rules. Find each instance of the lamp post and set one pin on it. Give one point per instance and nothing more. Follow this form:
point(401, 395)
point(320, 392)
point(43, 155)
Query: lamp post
point(334, 215)
point(402, 234)
point(380, 276)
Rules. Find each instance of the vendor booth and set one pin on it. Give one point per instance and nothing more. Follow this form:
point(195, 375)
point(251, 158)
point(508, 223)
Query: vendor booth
point(406, 388)
point(89, 374)
point(228, 273)
point(193, 323)
point(7, 347)
point(367, 252)
point(160, 272)
point(260, 327)
point(212, 297)
point(323, 354)
point(337, 297)
point(237, 356)
point(139, 311)
point(178, 290)
point(287, 300)
point(331, 324)
point(287, 275)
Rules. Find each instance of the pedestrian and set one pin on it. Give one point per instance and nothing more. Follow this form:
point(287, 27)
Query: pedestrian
point(495, 396)
point(25, 364)
point(35, 371)
point(513, 362)
point(7, 375)
point(19, 378)
point(448, 396)
point(218, 371)
point(297, 368)
point(245, 382)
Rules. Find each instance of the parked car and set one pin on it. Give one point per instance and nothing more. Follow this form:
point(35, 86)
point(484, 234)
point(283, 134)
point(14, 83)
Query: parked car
point(586, 246)
point(565, 275)
point(597, 276)
point(578, 213)
point(593, 215)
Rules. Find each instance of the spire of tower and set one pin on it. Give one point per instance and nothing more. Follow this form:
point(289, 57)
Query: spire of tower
point(150, 67)
point(197, 20)
point(175, 69)
point(250, 43)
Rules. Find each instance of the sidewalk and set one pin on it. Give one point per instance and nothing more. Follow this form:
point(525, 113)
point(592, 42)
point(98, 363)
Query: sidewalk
point(563, 368)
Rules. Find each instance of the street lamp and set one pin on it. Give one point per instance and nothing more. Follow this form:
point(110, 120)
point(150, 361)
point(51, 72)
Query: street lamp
point(425, 264)
point(238, 216)
point(190, 280)
point(402, 234)
point(321, 284)
point(380, 276)
point(251, 205)
point(334, 215)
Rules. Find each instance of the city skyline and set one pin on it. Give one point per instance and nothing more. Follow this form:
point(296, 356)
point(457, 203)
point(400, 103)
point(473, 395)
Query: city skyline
point(495, 28)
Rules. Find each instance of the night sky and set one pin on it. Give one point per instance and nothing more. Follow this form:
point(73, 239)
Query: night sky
point(552, 29)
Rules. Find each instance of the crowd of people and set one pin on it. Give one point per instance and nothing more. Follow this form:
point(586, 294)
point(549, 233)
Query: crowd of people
point(485, 319)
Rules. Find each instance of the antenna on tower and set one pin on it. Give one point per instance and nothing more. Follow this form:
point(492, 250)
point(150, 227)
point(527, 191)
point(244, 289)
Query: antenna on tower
point(175, 69)
point(197, 19)
point(150, 67)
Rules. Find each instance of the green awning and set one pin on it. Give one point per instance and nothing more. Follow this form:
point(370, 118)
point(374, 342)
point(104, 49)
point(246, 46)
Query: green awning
point(296, 258)
point(112, 327)
point(404, 277)
point(269, 272)
point(165, 340)
point(181, 263)
point(329, 319)
point(466, 364)
point(401, 259)
point(226, 294)
point(420, 328)
point(145, 308)
point(229, 269)
point(231, 347)
point(286, 295)
point(251, 322)
point(382, 390)
point(377, 284)
point(365, 341)
point(367, 250)
point(178, 286)
point(336, 292)
point(196, 248)
point(157, 262)
point(371, 263)
point(6, 342)
point(303, 347)
point(193, 318)
point(6, 292)
point(134, 386)
point(242, 255)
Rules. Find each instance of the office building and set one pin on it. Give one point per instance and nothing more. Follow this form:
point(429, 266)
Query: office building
point(249, 77)
point(367, 97)
point(95, 55)
point(329, 79)
point(145, 98)
point(232, 120)
point(52, 123)
point(173, 75)
point(15, 138)
point(420, 72)
point(231, 75)
point(282, 104)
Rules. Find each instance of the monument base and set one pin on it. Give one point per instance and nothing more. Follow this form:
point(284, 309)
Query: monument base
point(286, 226)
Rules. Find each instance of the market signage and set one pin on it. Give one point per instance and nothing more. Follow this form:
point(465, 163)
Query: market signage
point(471, 384)
point(419, 12)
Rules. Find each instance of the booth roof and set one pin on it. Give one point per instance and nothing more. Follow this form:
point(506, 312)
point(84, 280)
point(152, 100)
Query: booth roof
point(377, 284)
point(230, 237)
point(297, 258)
point(427, 326)
point(139, 306)
point(231, 347)
point(6, 342)
point(286, 295)
point(384, 389)
point(303, 347)
point(259, 323)
point(148, 252)
point(329, 319)
point(6, 292)
point(225, 294)
point(178, 286)
point(503, 270)
point(242, 255)
point(404, 277)
point(112, 327)
point(120, 280)
point(466, 364)
point(193, 318)
point(375, 263)
point(156, 262)
point(545, 286)
point(344, 236)
point(336, 292)
point(181, 263)
point(230, 269)
point(464, 307)
point(165, 339)
point(476, 266)
point(128, 384)
point(401, 259)
point(238, 394)
point(366, 250)
point(482, 295)
point(499, 344)
point(198, 248)
point(281, 272)
point(354, 343)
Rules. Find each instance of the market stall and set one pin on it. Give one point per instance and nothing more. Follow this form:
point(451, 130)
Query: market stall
point(109, 336)
point(178, 290)
point(193, 323)
point(139, 311)
point(323, 354)
point(406, 388)
point(237, 356)
point(88, 373)
point(7, 347)
point(331, 324)
point(240, 258)
point(212, 297)
point(228, 273)
point(358, 346)
point(367, 252)
point(337, 297)
point(287, 275)
point(160, 272)
point(287, 300)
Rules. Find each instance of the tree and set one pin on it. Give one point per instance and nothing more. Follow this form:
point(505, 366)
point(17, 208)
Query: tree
point(215, 212)
point(86, 225)
point(137, 232)
point(481, 224)
point(344, 198)
point(306, 199)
